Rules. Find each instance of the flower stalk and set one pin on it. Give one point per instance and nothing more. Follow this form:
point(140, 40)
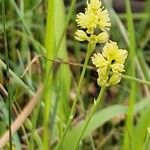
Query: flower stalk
point(95, 106)
point(73, 110)
point(94, 25)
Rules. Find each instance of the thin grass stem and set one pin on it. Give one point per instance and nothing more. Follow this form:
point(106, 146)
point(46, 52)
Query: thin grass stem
point(47, 96)
point(127, 77)
point(96, 104)
point(7, 72)
point(73, 109)
point(132, 56)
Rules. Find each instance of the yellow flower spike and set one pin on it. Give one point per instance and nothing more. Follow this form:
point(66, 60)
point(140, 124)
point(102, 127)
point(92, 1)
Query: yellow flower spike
point(95, 18)
point(103, 37)
point(110, 64)
point(80, 35)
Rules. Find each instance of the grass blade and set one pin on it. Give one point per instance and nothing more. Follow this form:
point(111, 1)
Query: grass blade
point(47, 96)
point(132, 56)
point(99, 119)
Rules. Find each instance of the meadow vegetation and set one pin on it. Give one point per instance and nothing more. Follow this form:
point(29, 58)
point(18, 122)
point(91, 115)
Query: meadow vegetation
point(74, 75)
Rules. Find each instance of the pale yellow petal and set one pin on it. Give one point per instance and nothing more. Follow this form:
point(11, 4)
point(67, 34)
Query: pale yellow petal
point(101, 82)
point(87, 21)
point(110, 50)
point(102, 76)
point(103, 37)
point(94, 5)
point(99, 61)
point(114, 79)
point(104, 20)
point(81, 19)
point(122, 55)
point(117, 68)
point(113, 54)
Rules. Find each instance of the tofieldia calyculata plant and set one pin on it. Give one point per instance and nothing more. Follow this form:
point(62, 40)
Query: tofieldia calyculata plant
point(94, 27)
point(95, 24)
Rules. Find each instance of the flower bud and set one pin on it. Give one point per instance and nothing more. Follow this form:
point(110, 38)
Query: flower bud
point(114, 79)
point(80, 35)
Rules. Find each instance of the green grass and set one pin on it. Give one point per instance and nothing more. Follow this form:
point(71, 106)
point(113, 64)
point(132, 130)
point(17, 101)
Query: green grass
point(38, 49)
point(128, 136)
point(50, 51)
point(8, 99)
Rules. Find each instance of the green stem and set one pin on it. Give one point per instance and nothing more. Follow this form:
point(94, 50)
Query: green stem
point(135, 79)
point(73, 109)
point(92, 68)
point(128, 135)
point(8, 74)
point(96, 104)
point(48, 87)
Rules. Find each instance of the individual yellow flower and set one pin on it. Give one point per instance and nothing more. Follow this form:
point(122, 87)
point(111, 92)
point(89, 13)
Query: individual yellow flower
point(94, 6)
point(115, 56)
point(114, 79)
point(80, 35)
point(103, 37)
point(103, 19)
point(99, 61)
point(102, 81)
point(110, 64)
point(113, 53)
point(87, 21)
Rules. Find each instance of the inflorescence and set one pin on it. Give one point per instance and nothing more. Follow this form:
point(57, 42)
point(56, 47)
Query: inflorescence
point(95, 25)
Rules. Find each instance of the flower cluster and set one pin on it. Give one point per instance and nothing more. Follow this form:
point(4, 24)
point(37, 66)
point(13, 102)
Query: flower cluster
point(95, 24)
point(94, 19)
point(110, 64)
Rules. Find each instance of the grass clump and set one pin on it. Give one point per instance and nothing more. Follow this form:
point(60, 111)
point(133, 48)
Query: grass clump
point(57, 93)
